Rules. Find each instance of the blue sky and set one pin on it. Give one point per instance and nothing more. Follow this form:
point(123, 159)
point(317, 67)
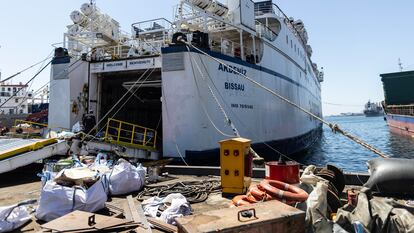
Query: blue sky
point(353, 40)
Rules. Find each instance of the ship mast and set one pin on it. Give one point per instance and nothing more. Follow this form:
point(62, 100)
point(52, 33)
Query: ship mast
point(400, 65)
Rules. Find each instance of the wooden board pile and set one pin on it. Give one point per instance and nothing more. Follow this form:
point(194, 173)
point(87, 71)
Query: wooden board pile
point(130, 218)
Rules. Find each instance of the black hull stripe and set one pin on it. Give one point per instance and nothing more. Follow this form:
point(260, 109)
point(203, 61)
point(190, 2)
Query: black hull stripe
point(290, 146)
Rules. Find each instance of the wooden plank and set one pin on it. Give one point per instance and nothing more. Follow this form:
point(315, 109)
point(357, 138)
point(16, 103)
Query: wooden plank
point(112, 222)
point(143, 218)
point(78, 221)
point(127, 211)
point(119, 228)
point(162, 225)
point(133, 209)
point(36, 226)
point(136, 213)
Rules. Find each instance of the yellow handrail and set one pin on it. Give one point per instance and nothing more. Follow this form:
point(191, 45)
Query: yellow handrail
point(28, 122)
point(130, 135)
point(18, 122)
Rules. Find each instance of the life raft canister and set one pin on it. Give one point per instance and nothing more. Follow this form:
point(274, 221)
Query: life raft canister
point(281, 190)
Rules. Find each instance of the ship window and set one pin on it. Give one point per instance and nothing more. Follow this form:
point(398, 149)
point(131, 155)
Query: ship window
point(2, 89)
point(16, 100)
point(9, 89)
point(11, 111)
point(287, 39)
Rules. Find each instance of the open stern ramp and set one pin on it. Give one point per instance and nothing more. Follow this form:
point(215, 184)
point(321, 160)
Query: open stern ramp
point(15, 153)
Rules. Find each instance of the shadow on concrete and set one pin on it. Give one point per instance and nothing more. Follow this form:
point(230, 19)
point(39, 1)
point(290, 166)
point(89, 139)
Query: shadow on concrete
point(23, 175)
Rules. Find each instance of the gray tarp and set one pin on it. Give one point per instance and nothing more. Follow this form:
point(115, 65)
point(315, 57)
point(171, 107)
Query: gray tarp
point(377, 215)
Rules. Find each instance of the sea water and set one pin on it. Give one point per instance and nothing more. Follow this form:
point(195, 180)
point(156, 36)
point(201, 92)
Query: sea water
point(350, 156)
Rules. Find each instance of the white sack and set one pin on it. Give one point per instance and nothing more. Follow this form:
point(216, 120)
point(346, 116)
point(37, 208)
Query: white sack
point(77, 127)
point(56, 200)
point(13, 217)
point(178, 206)
point(317, 206)
point(125, 178)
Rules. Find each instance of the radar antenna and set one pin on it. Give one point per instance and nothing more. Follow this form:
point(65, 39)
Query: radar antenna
point(400, 65)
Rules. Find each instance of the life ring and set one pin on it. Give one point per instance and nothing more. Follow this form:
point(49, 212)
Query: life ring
point(281, 190)
point(241, 200)
point(259, 194)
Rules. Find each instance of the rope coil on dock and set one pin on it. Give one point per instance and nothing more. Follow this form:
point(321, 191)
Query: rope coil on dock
point(194, 191)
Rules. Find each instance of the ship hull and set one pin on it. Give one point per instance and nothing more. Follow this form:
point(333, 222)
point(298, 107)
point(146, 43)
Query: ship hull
point(401, 124)
point(269, 151)
point(373, 113)
point(194, 106)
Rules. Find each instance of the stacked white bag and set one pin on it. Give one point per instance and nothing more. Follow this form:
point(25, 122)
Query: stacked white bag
point(125, 178)
point(13, 217)
point(57, 200)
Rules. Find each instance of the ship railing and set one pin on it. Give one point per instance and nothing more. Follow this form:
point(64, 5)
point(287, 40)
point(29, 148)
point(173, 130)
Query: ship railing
point(152, 35)
point(21, 123)
point(400, 109)
point(265, 32)
point(130, 135)
point(272, 8)
point(118, 51)
point(267, 8)
point(231, 48)
point(154, 29)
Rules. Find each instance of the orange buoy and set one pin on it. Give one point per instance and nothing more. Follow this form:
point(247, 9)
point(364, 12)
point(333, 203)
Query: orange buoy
point(283, 191)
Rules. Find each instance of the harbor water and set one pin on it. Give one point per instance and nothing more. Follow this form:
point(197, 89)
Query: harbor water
point(350, 156)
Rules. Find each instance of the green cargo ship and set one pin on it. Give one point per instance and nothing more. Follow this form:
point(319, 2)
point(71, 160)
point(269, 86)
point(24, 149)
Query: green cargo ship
point(399, 101)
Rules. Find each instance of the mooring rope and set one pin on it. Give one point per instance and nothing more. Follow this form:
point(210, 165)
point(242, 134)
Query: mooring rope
point(256, 157)
point(335, 128)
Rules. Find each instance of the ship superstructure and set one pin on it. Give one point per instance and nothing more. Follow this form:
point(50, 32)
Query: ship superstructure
point(373, 109)
point(190, 98)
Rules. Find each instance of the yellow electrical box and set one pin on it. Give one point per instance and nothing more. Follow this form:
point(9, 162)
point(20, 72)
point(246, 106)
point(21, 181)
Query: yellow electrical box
point(236, 165)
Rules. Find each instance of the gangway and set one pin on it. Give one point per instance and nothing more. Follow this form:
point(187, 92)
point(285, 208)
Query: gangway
point(15, 153)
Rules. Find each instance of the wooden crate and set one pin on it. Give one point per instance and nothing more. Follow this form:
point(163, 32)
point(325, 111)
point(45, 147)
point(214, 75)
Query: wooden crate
point(271, 216)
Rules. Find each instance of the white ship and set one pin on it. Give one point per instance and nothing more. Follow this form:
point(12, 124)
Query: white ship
point(191, 97)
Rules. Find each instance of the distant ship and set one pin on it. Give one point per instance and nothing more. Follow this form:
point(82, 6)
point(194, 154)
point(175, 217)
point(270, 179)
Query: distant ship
point(399, 101)
point(373, 109)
